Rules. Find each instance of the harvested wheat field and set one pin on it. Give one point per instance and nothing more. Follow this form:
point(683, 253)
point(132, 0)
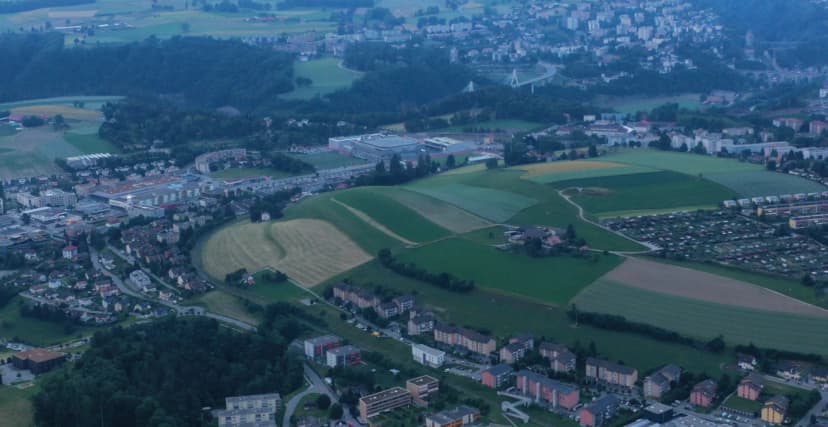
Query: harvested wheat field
point(688, 283)
point(308, 251)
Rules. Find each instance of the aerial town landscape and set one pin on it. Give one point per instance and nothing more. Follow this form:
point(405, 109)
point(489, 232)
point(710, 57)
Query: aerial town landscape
point(439, 213)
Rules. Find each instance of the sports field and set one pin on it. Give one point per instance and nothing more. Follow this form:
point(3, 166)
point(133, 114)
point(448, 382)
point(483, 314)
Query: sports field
point(16, 408)
point(550, 280)
point(328, 160)
point(704, 319)
point(327, 75)
point(308, 251)
point(491, 204)
point(643, 191)
point(395, 216)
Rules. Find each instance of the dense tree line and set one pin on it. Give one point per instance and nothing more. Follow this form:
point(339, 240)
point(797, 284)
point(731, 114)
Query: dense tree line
point(6, 295)
point(443, 280)
point(196, 71)
point(285, 163)
point(398, 172)
point(621, 324)
point(164, 373)
point(16, 6)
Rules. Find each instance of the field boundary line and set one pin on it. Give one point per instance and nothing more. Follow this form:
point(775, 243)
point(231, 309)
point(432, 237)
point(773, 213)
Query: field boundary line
point(374, 223)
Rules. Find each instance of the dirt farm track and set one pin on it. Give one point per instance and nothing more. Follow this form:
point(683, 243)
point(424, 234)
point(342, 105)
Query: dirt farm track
point(687, 283)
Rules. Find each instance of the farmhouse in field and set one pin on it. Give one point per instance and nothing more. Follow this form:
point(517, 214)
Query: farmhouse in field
point(465, 338)
point(660, 381)
point(704, 393)
point(746, 362)
point(750, 387)
point(775, 410)
point(611, 373)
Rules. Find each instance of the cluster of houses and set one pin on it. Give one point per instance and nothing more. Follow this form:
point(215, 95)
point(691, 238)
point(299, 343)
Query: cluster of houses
point(364, 299)
point(330, 350)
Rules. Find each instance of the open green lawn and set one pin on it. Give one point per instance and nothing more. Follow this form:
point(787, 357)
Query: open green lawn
point(791, 288)
point(707, 320)
point(327, 76)
point(654, 190)
point(90, 143)
point(740, 404)
point(90, 102)
point(391, 214)
point(505, 315)
point(765, 183)
point(6, 130)
point(16, 408)
point(38, 332)
point(550, 280)
point(328, 160)
point(237, 173)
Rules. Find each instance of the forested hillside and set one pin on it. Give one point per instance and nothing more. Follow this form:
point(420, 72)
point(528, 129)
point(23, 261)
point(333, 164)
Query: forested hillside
point(164, 373)
point(197, 71)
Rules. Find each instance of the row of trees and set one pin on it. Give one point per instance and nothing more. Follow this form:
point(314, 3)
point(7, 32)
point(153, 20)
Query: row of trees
point(443, 280)
point(272, 204)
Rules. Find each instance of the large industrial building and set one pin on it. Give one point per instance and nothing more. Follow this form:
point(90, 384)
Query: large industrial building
point(160, 191)
point(374, 147)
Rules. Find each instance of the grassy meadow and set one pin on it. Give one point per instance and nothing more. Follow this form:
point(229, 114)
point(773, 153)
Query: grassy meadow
point(327, 75)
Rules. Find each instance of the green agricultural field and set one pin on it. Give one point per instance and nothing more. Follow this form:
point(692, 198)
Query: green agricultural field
point(494, 205)
point(90, 143)
point(238, 173)
point(16, 408)
point(589, 173)
point(505, 315)
point(327, 75)
point(391, 214)
point(328, 160)
point(90, 102)
point(38, 332)
point(6, 130)
point(765, 183)
point(441, 213)
point(550, 280)
point(706, 320)
point(687, 163)
point(224, 303)
point(654, 190)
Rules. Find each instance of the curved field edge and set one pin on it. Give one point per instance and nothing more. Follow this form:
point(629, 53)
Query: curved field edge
point(706, 320)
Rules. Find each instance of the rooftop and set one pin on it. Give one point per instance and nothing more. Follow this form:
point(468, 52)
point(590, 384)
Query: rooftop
point(423, 380)
point(39, 355)
point(384, 395)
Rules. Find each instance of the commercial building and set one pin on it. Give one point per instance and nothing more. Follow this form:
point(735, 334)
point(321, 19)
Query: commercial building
point(610, 373)
point(153, 192)
point(342, 356)
point(203, 162)
point(457, 417)
point(421, 388)
point(38, 360)
point(447, 145)
point(86, 160)
point(658, 413)
point(374, 147)
point(598, 412)
point(58, 198)
point(542, 389)
point(775, 410)
point(497, 376)
point(317, 347)
point(384, 401)
point(428, 356)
